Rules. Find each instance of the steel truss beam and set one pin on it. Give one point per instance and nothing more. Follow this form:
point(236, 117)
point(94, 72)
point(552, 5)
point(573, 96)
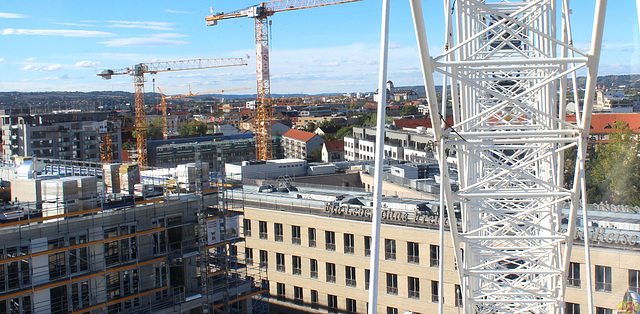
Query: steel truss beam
point(506, 68)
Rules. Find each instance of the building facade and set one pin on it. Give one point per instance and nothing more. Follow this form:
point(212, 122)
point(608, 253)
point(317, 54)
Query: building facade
point(317, 255)
point(68, 136)
point(297, 144)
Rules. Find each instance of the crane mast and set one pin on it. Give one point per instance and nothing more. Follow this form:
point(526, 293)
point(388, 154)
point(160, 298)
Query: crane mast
point(261, 13)
point(139, 70)
point(506, 63)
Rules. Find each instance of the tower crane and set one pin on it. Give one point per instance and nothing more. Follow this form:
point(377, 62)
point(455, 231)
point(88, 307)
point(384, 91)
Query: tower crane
point(261, 13)
point(163, 103)
point(139, 70)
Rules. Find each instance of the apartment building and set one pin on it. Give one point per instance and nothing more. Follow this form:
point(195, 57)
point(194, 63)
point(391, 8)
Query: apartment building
point(297, 144)
point(410, 146)
point(65, 135)
point(316, 251)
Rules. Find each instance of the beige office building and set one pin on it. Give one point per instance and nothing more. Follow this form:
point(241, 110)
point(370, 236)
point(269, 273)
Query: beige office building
point(317, 255)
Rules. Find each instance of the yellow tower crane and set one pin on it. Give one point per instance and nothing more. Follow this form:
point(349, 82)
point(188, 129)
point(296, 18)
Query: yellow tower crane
point(261, 13)
point(139, 70)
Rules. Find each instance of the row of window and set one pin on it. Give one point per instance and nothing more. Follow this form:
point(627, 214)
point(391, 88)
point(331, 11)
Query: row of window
point(413, 283)
point(573, 308)
point(351, 305)
point(413, 248)
point(603, 278)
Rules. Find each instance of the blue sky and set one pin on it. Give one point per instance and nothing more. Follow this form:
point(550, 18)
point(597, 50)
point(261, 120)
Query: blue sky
point(61, 45)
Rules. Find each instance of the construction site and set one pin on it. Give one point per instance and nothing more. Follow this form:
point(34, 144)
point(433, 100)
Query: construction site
point(118, 239)
point(472, 213)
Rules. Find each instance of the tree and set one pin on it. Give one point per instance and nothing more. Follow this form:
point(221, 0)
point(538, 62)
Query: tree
point(354, 105)
point(409, 110)
point(613, 175)
point(344, 131)
point(310, 127)
point(193, 128)
point(315, 155)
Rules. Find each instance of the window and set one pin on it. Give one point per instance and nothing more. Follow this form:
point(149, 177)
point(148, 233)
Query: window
point(601, 310)
point(413, 253)
point(332, 303)
point(295, 235)
point(573, 278)
point(280, 262)
point(367, 273)
point(392, 284)
point(312, 237)
point(351, 306)
point(434, 291)
point(390, 249)
point(348, 243)
point(297, 295)
point(123, 250)
point(296, 264)
point(281, 293)
point(263, 230)
point(434, 255)
point(458, 296)
point(367, 246)
point(278, 232)
point(264, 258)
point(572, 308)
point(248, 256)
point(314, 299)
point(330, 240)
point(331, 272)
point(246, 223)
point(350, 275)
point(79, 257)
point(634, 280)
point(80, 296)
point(313, 266)
point(603, 278)
point(160, 237)
point(392, 310)
point(414, 288)
point(233, 250)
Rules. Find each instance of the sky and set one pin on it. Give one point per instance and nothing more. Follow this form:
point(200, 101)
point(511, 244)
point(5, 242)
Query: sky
point(61, 45)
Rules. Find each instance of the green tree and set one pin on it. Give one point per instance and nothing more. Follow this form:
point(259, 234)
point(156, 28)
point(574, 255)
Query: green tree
point(613, 175)
point(154, 130)
point(310, 127)
point(354, 105)
point(193, 128)
point(315, 155)
point(344, 131)
point(409, 110)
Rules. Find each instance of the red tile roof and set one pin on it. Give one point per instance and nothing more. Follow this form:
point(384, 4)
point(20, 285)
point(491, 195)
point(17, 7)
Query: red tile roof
point(603, 122)
point(299, 135)
point(334, 146)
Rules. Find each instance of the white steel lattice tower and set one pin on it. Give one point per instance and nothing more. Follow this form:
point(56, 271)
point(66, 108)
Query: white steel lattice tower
point(507, 64)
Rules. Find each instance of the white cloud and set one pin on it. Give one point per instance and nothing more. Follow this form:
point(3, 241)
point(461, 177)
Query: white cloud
point(143, 24)
point(86, 64)
point(159, 40)
point(11, 15)
point(29, 59)
point(45, 67)
point(178, 12)
point(73, 24)
point(1, 60)
point(55, 32)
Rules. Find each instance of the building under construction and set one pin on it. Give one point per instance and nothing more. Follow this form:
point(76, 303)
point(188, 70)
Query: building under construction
point(71, 247)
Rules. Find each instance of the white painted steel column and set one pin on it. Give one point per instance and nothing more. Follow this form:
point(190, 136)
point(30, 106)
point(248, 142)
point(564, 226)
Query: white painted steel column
point(377, 178)
point(594, 60)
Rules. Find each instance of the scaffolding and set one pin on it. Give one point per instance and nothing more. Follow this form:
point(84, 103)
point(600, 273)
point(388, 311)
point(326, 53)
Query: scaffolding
point(122, 254)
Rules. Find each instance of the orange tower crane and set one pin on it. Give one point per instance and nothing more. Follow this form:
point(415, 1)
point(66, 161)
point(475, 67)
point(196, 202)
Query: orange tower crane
point(139, 70)
point(261, 13)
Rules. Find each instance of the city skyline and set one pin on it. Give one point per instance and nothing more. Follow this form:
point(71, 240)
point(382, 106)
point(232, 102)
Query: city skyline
point(61, 46)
